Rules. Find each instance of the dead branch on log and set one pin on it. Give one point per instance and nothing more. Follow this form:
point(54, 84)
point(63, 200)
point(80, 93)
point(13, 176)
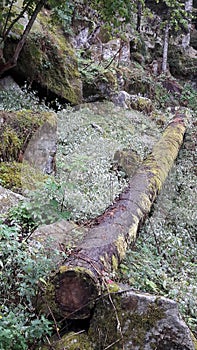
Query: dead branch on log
point(81, 279)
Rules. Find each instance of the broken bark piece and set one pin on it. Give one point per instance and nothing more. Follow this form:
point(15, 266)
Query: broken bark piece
point(80, 280)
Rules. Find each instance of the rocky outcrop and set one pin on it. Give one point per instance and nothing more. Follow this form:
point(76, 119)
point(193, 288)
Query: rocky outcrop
point(17, 129)
point(48, 60)
point(183, 64)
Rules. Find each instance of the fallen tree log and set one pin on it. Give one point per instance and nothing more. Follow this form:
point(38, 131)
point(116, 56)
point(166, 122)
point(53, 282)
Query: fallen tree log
point(80, 281)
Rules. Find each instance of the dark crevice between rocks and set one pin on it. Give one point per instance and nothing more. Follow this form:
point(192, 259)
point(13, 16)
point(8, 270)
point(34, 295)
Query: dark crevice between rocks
point(51, 99)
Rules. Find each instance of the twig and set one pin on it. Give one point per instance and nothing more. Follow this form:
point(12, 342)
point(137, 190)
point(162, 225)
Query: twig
point(117, 318)
point(113, 58)
point(53, 317)
point(109, 346)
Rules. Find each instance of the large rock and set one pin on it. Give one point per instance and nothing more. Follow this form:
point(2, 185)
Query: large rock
point(17, 129)
point(64, 234)
point(28, 147)
point(182, 63)
point(138, 321)
point(41, 149)
point(48, 60)
point(8, 199)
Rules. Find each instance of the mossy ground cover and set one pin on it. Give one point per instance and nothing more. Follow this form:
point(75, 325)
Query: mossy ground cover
point(88, 140)
point(86, 184)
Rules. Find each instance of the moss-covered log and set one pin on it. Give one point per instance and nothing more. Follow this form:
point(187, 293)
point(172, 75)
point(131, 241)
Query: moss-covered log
point(80, 280)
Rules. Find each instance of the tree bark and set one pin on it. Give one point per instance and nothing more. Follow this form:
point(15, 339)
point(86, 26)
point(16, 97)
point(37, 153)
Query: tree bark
point(165, 48)
point(12, 62)
point(80, 281)
point(139, 16)
point(186, 38)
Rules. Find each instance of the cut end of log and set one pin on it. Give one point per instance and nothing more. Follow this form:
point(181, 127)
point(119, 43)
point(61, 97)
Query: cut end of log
point(76, 292)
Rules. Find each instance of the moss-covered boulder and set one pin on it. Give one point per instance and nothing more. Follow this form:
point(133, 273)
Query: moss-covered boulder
point(136, 80)
point(136, 102)
point(98, 83)
point(16, 130)
point(10, 175)
point(183, 64)
point(25, 135)
point(48, 60)
point(138, 321)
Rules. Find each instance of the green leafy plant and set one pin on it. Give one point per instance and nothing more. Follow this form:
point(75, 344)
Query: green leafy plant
point(15, 99)
point(24, 268)
point(189, 97)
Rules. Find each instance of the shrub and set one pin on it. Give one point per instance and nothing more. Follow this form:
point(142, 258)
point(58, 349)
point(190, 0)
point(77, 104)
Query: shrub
point(23, 270)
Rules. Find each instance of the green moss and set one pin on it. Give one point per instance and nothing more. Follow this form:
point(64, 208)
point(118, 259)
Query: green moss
point(134, 326)
point(10, 145)
point(194, 341)
point(113, 287)
point(121, 246)
point(10, 175)
point(17, 129)
point(168, 145)
point(71, 341)
point(31, 178)
point(19, 176)
point(181, 63)
point(47, 303)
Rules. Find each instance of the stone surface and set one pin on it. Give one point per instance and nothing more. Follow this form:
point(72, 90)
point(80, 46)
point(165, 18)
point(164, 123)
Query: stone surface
point(136, 102)
point(127, 160)
point(63, 234)
point(48, 59)
point(8, 83)
point(122, 99)
point(8, 199)
point(138, 321)
point(41, 149)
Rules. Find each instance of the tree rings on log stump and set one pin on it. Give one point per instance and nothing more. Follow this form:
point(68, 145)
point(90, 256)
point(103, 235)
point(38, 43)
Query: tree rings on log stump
point(76, 291)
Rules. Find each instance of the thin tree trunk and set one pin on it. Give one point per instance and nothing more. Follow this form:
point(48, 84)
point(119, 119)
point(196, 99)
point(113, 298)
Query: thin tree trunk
point(12, 62)
point(139, 16)
point(165, 48)
point(80, 280)
point(186, 38)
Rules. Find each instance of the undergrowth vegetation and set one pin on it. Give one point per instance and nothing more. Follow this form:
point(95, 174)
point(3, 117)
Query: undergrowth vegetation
point(25, 271)
point(88, 139)
point(163, 260)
